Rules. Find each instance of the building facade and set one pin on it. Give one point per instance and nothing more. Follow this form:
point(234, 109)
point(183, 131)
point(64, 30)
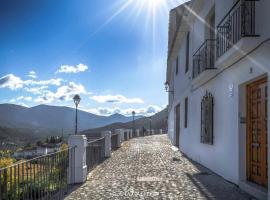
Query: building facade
point(217, 77)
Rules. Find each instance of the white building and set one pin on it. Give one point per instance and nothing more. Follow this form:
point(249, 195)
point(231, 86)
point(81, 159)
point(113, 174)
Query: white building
point(217, 74)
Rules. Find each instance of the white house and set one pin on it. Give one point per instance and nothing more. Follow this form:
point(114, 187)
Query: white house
point(217, 80)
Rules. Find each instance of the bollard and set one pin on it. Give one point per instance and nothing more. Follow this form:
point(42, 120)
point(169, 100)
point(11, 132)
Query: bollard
point(78, 170)
point(119, 137)
point(122, 135)
point(160, 131)
point(108, 143)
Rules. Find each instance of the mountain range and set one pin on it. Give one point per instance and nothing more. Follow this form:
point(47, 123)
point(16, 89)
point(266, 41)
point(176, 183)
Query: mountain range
point(43, 120)
point(158, 121)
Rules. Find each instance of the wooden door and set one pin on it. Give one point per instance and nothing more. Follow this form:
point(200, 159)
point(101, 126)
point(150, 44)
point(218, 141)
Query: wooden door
point(257, 132)
point(177, 125)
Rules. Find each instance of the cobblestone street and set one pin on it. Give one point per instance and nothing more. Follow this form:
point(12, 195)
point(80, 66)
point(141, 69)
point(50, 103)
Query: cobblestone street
point(148, 168)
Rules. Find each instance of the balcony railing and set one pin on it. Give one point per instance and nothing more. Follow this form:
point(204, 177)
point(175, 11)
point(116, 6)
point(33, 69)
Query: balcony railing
point(238, 23)
point(204, 57)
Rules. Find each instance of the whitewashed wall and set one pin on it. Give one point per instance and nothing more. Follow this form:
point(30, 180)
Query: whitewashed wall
point(226, 156)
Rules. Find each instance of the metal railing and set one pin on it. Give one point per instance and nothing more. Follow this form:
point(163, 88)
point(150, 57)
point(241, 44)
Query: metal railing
point(204, 57)
point(126, 135)
point(44, 177)
point(95, 152)
point(238, 23)
point(114, 138)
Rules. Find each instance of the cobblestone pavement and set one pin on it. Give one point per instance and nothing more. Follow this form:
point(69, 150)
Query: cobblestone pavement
point(148, 168)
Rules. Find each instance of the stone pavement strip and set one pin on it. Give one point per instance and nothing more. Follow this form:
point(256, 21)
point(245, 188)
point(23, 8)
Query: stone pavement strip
point(148, 168)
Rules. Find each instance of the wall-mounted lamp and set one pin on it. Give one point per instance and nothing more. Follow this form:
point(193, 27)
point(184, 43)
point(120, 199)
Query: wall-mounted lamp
point(167, 87)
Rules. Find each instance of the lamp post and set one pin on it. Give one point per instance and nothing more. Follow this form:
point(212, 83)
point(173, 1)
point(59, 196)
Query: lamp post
point(76, 100)
point(133, 115)
point(150, 120)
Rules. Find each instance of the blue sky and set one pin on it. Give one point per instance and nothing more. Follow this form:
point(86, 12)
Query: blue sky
point(112, 53)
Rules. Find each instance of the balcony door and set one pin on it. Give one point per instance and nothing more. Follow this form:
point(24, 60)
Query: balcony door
point(177, 126)
point(257, 132)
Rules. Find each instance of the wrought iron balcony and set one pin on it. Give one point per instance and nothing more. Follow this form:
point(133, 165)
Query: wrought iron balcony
point(239, 22)
point(204, 57)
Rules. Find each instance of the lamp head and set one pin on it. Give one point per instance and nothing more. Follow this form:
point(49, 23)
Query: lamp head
point(76, 99)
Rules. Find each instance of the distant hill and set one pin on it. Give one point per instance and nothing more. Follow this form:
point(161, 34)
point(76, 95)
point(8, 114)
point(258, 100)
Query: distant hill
point(53, 117)
point(19, 123)
point(159, 121)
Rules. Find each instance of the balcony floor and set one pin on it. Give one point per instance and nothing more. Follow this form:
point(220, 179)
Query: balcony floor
point(148, 168)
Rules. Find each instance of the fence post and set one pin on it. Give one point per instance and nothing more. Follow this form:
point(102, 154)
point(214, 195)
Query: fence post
point(119, 137)
point(77, 159)
point(108, 143)
point(122, 135)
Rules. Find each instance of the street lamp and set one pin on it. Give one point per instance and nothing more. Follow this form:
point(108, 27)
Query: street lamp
point(76, 100)
point(150, 120)
point(167, 87)
point(133, 115)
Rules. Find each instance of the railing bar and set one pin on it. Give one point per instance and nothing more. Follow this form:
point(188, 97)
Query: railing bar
point(50, 177)
point(40, 178)
point(95, 140)
point(31, 181)
point(1, 193)
point(62, 174)
point(27, 187)
point(228, 13)
point(5, 184)
point(10, 181)
point(19, 187)
point(46, 177)
point(22, 166)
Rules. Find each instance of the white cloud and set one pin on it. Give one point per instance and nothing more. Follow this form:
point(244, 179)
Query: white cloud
point(56, 82)
point(63, 93)
point(72, 69)
point(147, 111)
point(32, 74)
point(11, 81)
point(14, 82)
point(36, 90)
point(68, 91)
point(27, 98)
point(115, 99)
point(23, 104)
point(24, 98)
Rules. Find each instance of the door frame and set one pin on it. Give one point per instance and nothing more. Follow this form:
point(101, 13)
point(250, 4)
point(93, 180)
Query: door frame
point(257, 81)
point(177, 116)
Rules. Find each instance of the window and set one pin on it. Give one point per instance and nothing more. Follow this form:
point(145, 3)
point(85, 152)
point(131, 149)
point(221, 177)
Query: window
point(176, 66)
point(186, 112)
point(187, 53)
point(207, 113)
